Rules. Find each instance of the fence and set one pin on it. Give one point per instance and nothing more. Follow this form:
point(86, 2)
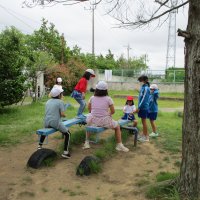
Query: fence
point(129, 75)
point(126, 79)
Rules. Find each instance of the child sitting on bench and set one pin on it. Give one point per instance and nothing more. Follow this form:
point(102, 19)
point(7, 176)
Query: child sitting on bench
point(101, 109)
point(54, 110)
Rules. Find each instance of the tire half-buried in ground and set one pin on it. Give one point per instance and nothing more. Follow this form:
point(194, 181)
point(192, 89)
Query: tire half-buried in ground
point(37, 158)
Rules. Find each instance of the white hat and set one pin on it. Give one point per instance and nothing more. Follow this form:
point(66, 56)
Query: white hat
point(56, 91)
point(154, 87)
point(59, 80)
point(91, 71)
point(101, 85)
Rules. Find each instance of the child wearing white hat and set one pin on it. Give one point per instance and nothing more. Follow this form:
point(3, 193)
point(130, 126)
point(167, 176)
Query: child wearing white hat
point(79, 91)
point(153, 108)
point(101, 109)
point(54, 110)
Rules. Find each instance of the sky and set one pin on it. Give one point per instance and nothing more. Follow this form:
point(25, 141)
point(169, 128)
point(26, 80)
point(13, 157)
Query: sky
point(75, 22)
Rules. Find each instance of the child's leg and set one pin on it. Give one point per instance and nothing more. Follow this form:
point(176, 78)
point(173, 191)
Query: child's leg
point(153, 125)
point(82, 106)
point(135, 123)
point(87, 141)
point(144, 124)
point(66, 141)
point(120, 146)
point(118, 134)
point(42, 138)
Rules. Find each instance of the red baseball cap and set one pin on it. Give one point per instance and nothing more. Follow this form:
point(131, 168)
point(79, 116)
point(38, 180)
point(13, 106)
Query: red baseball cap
point(129, 98)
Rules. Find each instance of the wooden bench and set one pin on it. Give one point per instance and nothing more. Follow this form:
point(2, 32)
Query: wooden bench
point(98, 130)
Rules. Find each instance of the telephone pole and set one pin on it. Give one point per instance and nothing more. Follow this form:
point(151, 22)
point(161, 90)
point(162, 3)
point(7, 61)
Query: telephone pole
point(92, 8)
point(128, 49)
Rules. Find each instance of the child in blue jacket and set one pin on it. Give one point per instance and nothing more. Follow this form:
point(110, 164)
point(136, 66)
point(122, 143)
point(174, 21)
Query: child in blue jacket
point(153, 108)
point(143, 106)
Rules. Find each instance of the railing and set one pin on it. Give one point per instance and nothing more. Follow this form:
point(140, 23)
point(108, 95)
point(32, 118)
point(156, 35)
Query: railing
point(129, 75)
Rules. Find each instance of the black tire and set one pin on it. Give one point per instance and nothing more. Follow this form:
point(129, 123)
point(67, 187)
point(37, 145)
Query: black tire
point(37, 158)
point(84, 167)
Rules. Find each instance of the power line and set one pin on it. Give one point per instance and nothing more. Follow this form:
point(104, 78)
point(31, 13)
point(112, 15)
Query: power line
point(4, 8)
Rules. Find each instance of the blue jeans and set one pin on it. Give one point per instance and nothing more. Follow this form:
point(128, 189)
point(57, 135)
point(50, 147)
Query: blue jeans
point(82, 106)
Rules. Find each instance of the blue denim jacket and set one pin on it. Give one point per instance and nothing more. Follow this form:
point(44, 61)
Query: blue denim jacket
point(143, 99)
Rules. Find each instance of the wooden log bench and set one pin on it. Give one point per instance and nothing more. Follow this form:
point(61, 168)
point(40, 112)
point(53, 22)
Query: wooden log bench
point(123, 124)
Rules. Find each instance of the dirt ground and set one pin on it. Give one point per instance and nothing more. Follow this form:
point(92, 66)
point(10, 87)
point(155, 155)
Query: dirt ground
point(123, 176)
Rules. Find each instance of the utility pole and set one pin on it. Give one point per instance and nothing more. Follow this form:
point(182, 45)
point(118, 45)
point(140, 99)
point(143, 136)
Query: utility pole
point(92, 8)
point(128, 49)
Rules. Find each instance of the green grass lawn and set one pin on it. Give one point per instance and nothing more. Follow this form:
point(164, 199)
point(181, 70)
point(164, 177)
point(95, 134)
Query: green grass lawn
point(17, 123)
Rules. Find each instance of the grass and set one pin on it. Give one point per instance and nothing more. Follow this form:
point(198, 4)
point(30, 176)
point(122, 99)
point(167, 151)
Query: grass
point(163, 191)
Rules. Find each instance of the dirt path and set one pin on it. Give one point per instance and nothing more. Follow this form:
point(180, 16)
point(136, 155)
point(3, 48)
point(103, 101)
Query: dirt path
point(122, 176)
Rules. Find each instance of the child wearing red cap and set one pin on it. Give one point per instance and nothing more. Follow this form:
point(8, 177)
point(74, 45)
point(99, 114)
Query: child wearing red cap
point(129, 110)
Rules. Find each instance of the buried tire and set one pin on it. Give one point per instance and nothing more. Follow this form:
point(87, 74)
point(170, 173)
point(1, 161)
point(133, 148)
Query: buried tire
point(37, 158)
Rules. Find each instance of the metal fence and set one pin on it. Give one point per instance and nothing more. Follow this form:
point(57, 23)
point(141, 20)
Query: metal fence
point(129, 75)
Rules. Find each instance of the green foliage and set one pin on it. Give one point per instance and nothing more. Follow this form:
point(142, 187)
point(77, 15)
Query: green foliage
point(163, 176)
point(48, 39)
point(174, 75)
point(163, 192)
point(12, 61)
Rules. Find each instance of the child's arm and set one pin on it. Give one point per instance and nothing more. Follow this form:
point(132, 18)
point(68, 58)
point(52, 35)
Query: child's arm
point(62, 114)
point(112, 109)
point(89, 107)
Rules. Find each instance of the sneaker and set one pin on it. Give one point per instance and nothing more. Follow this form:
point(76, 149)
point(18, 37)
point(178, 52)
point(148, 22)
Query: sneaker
point(153, 134)
point(39, 147)
point(86, 145)
point(140, 136)
point(121, 147)
point(66, 155)
point(143, 139)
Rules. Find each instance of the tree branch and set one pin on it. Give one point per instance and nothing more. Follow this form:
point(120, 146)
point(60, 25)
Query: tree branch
point(184, 34)
point(141, 22)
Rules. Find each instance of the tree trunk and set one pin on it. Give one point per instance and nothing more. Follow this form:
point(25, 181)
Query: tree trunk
point(190, 166)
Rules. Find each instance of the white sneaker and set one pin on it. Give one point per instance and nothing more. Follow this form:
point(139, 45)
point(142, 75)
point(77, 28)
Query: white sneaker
point(39, 147)
point(140, 136)
point(144, 139)
point(121, 147)
point(153, 134)
point(86, 145)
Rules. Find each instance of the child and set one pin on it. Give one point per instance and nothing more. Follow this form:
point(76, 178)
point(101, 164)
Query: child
point(101, 109)
point(57, 85)
point(54, 110)
point(129, 110)
point(153, 108)
point(143, 106)
point(79, 91)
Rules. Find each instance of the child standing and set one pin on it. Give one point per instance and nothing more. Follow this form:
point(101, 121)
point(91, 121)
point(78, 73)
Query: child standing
point(143, 106)
point(54, 110)
point(101, 109)
point(153, 108)
point(129, 110)
point(79, 91)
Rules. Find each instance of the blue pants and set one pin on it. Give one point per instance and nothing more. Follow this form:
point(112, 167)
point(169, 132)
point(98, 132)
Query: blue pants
point(82, 106)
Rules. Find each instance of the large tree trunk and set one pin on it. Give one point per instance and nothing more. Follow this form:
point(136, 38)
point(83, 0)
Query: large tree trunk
point(190, 167)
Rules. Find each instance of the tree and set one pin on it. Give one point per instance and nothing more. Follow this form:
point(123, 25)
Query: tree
point(48, 39)
point(12, 61)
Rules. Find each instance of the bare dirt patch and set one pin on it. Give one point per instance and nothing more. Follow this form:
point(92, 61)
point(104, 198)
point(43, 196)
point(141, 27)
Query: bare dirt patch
point(123, 176)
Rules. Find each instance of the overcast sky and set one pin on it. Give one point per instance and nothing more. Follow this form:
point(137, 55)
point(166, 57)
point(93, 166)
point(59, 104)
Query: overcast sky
point(76, 24)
